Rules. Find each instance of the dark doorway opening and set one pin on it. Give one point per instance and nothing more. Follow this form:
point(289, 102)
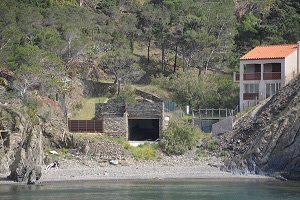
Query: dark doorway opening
point(143, 129)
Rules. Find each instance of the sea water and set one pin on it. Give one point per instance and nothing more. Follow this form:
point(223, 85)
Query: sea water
point(156, 189)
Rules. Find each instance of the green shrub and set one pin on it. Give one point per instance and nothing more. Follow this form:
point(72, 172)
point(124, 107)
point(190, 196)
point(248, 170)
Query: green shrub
point(3, 82)
point(145, 151)
point(200, 153)
point(126, 96)
point(179, 138)
point(31, 110)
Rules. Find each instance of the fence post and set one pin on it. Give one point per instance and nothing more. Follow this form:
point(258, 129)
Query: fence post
point(86, 128)
point(95, 126)
point(226, 113)
point(77, 125)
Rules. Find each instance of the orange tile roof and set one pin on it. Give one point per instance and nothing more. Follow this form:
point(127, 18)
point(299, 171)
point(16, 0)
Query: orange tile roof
point(270, 52)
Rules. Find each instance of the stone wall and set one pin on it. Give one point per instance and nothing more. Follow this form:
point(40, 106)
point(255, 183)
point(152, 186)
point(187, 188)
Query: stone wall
point(145, 110)
point(149, 96)
point(94, 89)
point(109, 109)
point(115, 126)
point(115, 116)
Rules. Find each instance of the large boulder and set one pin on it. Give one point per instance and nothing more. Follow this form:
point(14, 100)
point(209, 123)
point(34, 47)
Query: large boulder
point(267, 140)
point(28, 173)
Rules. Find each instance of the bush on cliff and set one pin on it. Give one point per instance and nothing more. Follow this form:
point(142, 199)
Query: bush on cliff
point(178, 138)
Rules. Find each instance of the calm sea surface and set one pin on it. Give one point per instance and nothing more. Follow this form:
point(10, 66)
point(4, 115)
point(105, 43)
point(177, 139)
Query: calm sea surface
point(130, 190)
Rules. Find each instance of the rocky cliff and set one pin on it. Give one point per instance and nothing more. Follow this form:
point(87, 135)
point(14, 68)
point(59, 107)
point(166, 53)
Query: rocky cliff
point(25, 135)
point(267, 139)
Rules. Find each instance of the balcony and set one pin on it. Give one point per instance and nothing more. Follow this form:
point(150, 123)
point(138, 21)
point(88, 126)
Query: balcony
point(272, 75)
point(252, 76)
point(257, 76)
point(250, 96)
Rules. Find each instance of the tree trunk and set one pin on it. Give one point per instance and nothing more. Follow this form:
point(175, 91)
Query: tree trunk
point(119, 87)
point(163, 57)
point(69, 48)
point(183, 66)
point(175, 59)
point(199, 71)
point(131, 44)
point(148, 51)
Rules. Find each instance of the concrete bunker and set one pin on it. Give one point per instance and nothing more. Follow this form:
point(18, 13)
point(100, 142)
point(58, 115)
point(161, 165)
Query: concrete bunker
point(143, 129)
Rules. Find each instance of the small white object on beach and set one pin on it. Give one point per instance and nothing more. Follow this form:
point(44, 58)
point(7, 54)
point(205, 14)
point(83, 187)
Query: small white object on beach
point(53, 152)
point(114, 162)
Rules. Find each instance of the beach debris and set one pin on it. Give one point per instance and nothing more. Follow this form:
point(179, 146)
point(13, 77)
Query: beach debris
point(114, 162)
point(53, 165)
point(53, 152)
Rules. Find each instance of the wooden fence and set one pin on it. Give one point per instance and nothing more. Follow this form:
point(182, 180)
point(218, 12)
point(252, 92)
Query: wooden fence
point(90, 126)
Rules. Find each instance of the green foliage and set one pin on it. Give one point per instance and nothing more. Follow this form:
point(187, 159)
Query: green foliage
point(31, 107)
point(204, 91)
point(178, 138)
point(145, 151)
point(127, 95)
point(3, 82)
point(274, 21)
point(200, 153)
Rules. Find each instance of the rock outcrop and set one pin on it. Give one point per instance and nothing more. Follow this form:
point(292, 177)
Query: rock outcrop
point(24, 137)
point(267, 140)
point(24, 152)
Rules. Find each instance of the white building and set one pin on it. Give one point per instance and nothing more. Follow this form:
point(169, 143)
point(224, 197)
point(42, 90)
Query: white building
point(264, 70)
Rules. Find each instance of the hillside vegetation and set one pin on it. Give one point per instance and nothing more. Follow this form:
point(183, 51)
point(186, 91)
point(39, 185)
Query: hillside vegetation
point(44, 41)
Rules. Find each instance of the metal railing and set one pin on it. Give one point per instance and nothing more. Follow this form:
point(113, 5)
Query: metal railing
point(257, 76)
point(213, 113)
point(272, 76)
point(252, 76)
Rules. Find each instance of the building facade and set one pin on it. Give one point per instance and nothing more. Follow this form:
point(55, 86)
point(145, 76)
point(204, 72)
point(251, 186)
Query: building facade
point(264, 70)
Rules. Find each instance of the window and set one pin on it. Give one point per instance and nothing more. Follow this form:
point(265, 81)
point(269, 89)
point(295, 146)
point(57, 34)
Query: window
point(251, 88)
point(272, 88)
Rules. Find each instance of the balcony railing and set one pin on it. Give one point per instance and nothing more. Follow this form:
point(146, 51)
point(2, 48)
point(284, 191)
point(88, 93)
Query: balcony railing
point(250, 96)
point(257, 76)
point(252, 76)
point(272, 75)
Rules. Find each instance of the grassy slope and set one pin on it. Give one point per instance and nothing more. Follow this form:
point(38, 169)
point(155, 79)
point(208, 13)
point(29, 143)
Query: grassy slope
point(88, 108)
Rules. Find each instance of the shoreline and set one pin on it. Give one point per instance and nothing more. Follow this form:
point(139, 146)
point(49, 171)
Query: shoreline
point(149, 171)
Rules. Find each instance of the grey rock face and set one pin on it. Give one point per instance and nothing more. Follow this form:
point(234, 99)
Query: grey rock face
point(267, 140)
point(28, 174)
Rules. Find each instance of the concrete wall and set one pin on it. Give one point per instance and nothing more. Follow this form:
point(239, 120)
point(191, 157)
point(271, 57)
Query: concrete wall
point(223, 126)
point(291, 66)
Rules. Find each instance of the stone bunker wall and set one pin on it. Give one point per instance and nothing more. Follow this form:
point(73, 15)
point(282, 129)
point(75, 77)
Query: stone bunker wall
point(115, 116)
